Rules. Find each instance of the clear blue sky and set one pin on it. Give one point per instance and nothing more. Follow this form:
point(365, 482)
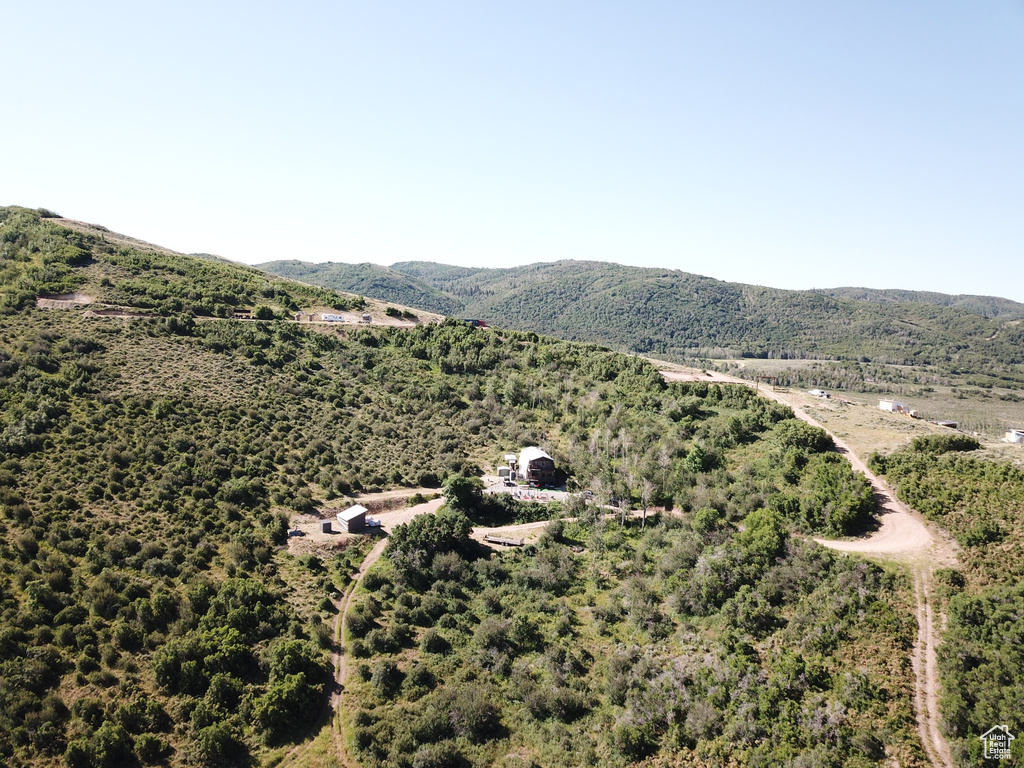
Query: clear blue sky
point(791, 144)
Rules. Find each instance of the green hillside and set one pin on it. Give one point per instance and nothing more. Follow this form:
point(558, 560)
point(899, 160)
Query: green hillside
point(988, 306)
point(43, 255)
point(681, 316)
point(150, 613)
point(367, 280)
point(709, 638)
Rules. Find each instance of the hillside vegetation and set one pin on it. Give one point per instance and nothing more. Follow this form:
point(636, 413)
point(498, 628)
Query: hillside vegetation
point(981, 659)
point(148, 476)
point(41, 255)
point(709, 637)
point(679, 316)
point(150, 464)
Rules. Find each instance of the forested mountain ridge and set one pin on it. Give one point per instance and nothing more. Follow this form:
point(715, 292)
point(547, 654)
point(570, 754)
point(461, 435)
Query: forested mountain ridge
point(988, 306)
point(673, 313)
point(678, 315)
point(367, 280)
point(150, 613)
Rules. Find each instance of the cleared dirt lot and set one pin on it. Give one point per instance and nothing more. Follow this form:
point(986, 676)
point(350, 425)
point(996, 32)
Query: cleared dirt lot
point(312, 540)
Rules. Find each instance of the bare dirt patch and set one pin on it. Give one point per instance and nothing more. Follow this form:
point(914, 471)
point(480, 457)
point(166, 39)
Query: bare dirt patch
point(528, 532)
point(398, 497)
point(65, 301)
point(307, 537)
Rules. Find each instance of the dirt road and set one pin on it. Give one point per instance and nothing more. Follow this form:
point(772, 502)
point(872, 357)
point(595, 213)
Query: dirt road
point(331, 703)
point(903, 536)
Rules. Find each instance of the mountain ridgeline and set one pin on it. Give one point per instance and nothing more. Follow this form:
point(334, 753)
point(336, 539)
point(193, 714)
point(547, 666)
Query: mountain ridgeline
point(988, 306)
point(43, 255)
point(682, 316)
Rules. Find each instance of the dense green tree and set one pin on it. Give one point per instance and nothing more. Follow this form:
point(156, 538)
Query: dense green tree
point(463, 494)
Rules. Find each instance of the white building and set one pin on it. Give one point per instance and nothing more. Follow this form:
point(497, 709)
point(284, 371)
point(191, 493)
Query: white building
point(893, 406)
point(536, 466)
point(1015, 436)
point(819, 393)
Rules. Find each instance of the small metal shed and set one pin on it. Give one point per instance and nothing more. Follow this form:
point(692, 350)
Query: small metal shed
point(325, 526)
point(353, 519)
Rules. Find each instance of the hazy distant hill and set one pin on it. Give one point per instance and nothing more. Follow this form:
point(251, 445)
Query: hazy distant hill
point(989, 306)
point(367, 280)
point(677, 314)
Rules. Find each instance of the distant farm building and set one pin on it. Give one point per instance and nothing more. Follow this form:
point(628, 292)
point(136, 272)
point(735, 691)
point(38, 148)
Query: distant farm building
point(329, 318)
point(326, 527)
point(1015, 436)
point(950, 424)
point(536, 466)
point(353, 519)
point(301, 317)
point(893, 406)
point(477, 323)
point(819, 393)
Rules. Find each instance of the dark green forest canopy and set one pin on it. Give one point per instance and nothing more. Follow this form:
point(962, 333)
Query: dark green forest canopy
point(989, 306)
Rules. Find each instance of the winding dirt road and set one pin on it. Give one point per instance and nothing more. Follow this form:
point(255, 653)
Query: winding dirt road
point(905, 537)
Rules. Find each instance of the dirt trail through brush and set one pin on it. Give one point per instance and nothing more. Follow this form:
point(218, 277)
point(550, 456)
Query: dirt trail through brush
point(905, 537)
point(339, 662)
point(340, 657)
